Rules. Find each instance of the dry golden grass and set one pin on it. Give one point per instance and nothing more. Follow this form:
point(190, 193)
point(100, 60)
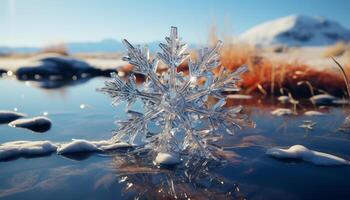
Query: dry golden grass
point(336, 50)
point(59, 48)
point(266, 77)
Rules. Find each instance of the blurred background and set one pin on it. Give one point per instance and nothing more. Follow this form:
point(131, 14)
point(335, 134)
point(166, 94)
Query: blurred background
point(289, 36)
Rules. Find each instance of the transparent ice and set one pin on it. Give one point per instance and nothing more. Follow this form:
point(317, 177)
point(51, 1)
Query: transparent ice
point(189, 110)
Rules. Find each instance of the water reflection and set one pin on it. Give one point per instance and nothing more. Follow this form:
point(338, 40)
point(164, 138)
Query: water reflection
point(55, 84)
point(195, 178)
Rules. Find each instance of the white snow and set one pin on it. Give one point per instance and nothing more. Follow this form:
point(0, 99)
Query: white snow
point(239, 96)
point(26, 148)
point(313, 113)
point(323, 99)
point(282, 111)
point(303, 153)
point(167, 159)
point(35, 148)
point(296, 30)
point(79, 145)
point(7, 116)
point(283, 99)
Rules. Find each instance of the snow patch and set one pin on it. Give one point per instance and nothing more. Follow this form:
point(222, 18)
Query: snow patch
point(36, 148)
point(283, 99)
point(296, 30)
point(303, 153)
point(26, 148)
point(313, 113)
point(78, 145)
point(239, 96)
point(323, 99)
point(282, 111)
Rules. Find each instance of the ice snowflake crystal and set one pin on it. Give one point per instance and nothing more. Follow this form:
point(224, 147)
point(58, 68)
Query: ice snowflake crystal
point(189, 110)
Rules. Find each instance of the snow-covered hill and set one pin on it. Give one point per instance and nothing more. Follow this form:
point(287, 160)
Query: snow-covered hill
point(296, 30)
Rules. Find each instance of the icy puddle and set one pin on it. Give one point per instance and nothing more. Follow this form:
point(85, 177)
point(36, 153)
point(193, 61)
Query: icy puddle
point(248, 173)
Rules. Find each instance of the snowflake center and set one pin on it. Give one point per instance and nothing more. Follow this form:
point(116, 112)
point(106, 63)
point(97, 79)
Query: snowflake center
point(173, 102)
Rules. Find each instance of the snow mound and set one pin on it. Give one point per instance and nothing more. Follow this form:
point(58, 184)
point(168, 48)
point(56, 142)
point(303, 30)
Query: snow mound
point(313, 113)
point(167, 159)
point(296, 30)
point(36, 148)
point(323, 99)
point(26, 148)
point(37, 124)
point(78, 145)
point(284, 99)
point(282, 112)
point(239, 96)
point(8, 116)
point(303, 153)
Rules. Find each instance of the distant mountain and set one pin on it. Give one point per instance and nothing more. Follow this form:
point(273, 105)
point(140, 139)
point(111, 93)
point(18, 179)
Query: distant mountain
point(106, 45)
point(296, 30)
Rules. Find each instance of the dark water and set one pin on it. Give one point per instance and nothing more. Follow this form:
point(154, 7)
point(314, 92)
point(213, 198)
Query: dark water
point(95, 176)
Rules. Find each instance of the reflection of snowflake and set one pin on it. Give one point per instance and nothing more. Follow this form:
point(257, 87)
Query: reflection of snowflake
point(182, 106)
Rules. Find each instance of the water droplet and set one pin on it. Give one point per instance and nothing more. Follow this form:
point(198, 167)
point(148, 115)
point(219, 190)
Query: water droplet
point(9, 73)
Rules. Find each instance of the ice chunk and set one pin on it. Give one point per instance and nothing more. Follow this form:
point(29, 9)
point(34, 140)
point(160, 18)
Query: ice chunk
point(37, 124)
point(313, 113)
point(167, 159)
point(8, 116)
point(303, 153)
point(26, 148)
point(282, 111)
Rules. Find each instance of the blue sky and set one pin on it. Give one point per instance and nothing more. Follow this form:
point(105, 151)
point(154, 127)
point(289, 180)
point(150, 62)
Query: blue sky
point(42, 22)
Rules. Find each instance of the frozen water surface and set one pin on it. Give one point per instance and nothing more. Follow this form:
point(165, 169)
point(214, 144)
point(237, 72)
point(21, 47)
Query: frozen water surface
point(249, 172)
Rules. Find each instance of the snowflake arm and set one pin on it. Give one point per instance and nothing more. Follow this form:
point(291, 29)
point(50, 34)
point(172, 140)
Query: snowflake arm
point(141, 63)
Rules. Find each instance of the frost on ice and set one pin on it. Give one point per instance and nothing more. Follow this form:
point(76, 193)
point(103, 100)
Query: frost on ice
point(175, 102)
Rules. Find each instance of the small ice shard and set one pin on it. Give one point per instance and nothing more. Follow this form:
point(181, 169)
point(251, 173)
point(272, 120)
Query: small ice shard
point(323, 99)
point(167, 159)
point(282, 111)
point(303, 153)
point(79, 145)
point(308, 125)
point(26, 148)
point(8, 116)
point(283, 99)
point(36, 124)
point(313, 113)
point(239, 96)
